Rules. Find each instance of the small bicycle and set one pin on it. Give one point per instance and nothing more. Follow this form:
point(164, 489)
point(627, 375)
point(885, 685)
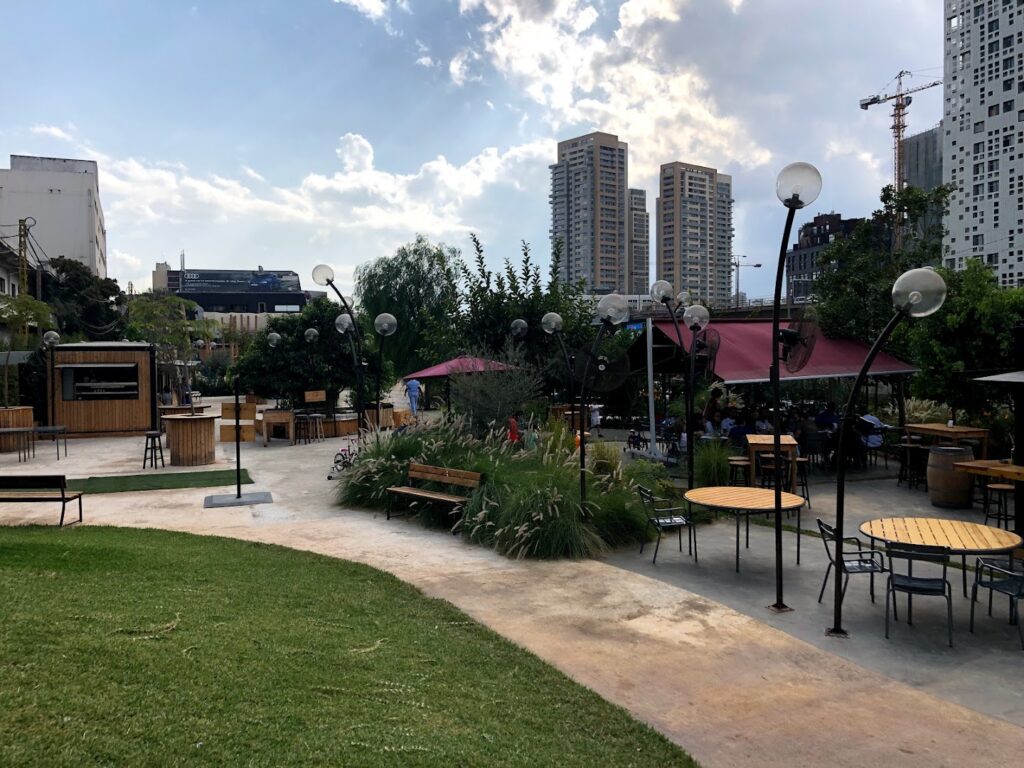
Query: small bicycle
point(343, 459)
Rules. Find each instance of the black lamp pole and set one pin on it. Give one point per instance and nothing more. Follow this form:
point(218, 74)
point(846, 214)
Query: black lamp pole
point(583, 409)
point(791, 208)
point(570, 395)
point(360, 415)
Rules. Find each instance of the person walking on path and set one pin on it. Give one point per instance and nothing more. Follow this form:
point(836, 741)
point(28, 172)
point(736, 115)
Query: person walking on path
point(412, 389)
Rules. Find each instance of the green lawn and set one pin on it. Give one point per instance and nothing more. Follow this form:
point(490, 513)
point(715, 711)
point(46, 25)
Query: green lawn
point(157, 481)
point(124, 647)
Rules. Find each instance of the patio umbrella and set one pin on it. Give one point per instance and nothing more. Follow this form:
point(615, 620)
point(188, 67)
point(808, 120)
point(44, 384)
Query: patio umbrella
point(1015, 381)
point(454, 367)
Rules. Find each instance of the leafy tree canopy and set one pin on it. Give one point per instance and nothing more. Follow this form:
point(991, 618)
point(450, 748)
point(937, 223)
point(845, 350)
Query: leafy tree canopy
point(83, 304)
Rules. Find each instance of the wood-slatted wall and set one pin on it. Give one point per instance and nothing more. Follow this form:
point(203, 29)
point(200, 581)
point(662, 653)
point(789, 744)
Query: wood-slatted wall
point(98, 416)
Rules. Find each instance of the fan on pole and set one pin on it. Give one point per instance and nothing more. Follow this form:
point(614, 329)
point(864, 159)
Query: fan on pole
point(602, 374)
point(798, 340)
point(705, 347)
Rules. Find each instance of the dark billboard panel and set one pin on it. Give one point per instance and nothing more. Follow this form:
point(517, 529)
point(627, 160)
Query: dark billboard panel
point(238, 281)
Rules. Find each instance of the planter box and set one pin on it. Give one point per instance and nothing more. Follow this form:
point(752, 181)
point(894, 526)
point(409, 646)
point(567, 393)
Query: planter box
point(339, 428)
point(247, 411)
point(227, 432)
point(256, 399)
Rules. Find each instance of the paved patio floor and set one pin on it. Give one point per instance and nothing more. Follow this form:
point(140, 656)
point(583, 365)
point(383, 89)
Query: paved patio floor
point(688, 648)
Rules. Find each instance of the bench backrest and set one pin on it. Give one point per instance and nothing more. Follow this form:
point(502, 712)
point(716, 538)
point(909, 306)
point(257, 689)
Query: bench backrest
point(444, 475)
point(32, 482)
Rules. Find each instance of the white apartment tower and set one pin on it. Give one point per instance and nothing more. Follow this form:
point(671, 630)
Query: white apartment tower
point(983, 136)
point(694, 231)
point(63, 196)
point(638, 244)
point(589, 210)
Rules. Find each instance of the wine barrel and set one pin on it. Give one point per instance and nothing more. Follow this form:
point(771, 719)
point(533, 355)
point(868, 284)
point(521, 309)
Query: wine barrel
point(948, 487)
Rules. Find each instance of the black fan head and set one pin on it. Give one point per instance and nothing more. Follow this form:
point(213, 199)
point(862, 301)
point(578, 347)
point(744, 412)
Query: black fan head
point(602, 374)
point(798, 340)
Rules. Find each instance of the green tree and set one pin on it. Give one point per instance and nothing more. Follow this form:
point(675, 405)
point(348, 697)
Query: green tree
point(17, 313)
point(970, 336)
point(419, 286)
point(84, 304)
point(854, 289)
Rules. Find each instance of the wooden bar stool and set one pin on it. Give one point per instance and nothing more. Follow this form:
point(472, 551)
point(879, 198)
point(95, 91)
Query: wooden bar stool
point(802, 463)
point(1001, 515)
point(316, 427)
point(739, 471)
point(154, 448)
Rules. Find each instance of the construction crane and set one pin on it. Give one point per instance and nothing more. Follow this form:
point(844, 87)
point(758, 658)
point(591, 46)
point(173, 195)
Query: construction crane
point(901, 100)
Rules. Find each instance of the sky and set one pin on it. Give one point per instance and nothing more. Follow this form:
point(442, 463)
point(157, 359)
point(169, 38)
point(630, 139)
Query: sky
point(284, 134)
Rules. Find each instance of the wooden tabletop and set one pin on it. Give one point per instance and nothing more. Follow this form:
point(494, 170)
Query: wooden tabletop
point(961, 537)
point(992, 468)
point(739, 497)
point(942, 430)
point(784, 440)
point(186, 407)
point(189, 417)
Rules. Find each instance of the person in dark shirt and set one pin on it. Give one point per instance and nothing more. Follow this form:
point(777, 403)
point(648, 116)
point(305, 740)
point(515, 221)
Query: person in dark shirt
point(827, 419)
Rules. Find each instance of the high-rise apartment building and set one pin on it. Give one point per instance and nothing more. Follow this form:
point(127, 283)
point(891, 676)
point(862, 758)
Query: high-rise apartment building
point(982, 124)
point(638, 244)
point(63, 196)
point(589, 210)
point(694, 231)
point(803, 262)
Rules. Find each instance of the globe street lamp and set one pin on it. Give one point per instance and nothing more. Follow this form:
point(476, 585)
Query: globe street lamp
point(916, 293)
point(612, 311)
point(797, 186)
point(385, 324)
point(552, 325)
point(51, 339)
point(518, 328)
point(324, 275)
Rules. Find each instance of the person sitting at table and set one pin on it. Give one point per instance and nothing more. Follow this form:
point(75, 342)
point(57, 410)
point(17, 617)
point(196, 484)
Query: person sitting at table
point(763, 424)
point(728, 420)
point(828, 419)
point(738, 434)
point(713, 426)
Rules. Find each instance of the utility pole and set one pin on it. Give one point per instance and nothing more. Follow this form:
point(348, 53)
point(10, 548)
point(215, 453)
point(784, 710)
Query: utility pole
point(737, 265)
point(23, 255)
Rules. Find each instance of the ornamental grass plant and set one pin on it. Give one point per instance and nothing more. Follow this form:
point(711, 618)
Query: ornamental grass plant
point(528, 502)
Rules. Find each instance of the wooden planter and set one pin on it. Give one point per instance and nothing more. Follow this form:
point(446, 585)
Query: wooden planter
point(19, 416)
point(190, 440)
point(227, 431)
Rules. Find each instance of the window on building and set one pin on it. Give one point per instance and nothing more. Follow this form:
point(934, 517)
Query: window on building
point(977, 240)
point(979, 168)
point(993, 26)
point(1008, 106)
point(3, 287)
point(993, 165)
point(1008, 84)
point(993, 186)
point(979, 127)
point(993, 110)
point(979, 147)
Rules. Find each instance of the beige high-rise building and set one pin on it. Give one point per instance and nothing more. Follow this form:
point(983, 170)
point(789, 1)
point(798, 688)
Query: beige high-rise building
point(638, 244)
point(694, 231)
point(589, 210)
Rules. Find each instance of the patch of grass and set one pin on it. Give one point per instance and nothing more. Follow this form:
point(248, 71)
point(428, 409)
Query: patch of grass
point(122, 647)
point(161, 482)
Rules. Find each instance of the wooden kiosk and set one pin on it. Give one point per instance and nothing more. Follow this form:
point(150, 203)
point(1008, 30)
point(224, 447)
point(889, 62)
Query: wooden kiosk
point(102, 388)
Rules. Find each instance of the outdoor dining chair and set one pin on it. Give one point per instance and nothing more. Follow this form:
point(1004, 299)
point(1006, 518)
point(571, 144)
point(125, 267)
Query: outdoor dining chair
point(859, 560)
point(910, 585)
point(1005, 577)
point(666, 518)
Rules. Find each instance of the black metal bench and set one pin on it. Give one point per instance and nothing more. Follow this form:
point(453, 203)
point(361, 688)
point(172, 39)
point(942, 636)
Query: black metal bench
point(39, 488)
point(438, 475)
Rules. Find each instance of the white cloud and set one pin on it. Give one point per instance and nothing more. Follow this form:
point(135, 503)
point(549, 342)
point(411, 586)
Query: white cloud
point(126, 259)
point(490, 104)
point(355, 153)
point(53, 131)
point(373, 9)
point(252, 174)
point(425, 61)
point(586, 77)
point(458, 67)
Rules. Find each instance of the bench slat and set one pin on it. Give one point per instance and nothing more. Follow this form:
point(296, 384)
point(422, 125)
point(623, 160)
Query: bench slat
point(23, 482)
point(406, 490)
point(444, 475)
point(37, 496)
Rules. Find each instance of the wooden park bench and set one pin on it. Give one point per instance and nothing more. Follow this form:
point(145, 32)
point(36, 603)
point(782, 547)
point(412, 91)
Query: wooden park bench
point(36, 488)
point(439, 476)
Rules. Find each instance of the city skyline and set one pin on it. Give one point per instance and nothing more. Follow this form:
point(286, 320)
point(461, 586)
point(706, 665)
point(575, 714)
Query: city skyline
point(336, 131)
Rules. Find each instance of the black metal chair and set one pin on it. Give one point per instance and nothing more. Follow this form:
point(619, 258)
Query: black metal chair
point(910, 585)
point(859, 560)
point(666, 518)
point(1005, 577)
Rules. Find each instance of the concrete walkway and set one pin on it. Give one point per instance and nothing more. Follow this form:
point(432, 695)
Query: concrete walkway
point(729, 689)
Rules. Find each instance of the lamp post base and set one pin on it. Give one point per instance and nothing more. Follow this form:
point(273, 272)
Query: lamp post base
point(231, 500)
point(780, 608)
point(833, 632)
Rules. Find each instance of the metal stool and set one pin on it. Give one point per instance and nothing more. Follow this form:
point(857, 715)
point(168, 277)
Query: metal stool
point(154, 448)
point(739, 470)
point(301, 428)
point(1002, 493)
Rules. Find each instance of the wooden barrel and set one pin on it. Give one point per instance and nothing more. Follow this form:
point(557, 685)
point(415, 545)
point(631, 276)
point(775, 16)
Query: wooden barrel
point(190, 440)
point(946, 486)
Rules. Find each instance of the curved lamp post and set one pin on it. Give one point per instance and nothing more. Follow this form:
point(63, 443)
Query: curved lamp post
point(612, 311)
point(343, 324)
point(50, 340)
point(552, 325)
point(916, 293)
point(662, 292)
point(696, 319)
point(323, 274)
point(385, 324)
point(797, 186)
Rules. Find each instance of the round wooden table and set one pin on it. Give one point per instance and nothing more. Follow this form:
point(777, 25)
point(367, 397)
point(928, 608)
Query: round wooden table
point(745, 501)
point(961, 537)
point(190, 440)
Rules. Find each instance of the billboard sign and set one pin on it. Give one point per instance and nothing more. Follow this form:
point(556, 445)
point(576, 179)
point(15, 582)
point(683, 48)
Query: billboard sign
point(238, 281)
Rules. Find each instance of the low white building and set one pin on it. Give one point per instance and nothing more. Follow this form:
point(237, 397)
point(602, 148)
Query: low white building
point(63, 197)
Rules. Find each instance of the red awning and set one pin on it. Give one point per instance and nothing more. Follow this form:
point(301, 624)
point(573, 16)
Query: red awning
point(745, 352)
point(458, 365)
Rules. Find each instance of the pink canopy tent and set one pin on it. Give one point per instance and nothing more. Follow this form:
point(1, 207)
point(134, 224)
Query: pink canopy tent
point(458, 365)
point(745, 352)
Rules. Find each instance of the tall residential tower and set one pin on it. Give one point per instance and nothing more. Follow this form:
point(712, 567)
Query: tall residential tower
point(638, 244)
point(694, 231)
point(589, 210)
point(982, 124)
